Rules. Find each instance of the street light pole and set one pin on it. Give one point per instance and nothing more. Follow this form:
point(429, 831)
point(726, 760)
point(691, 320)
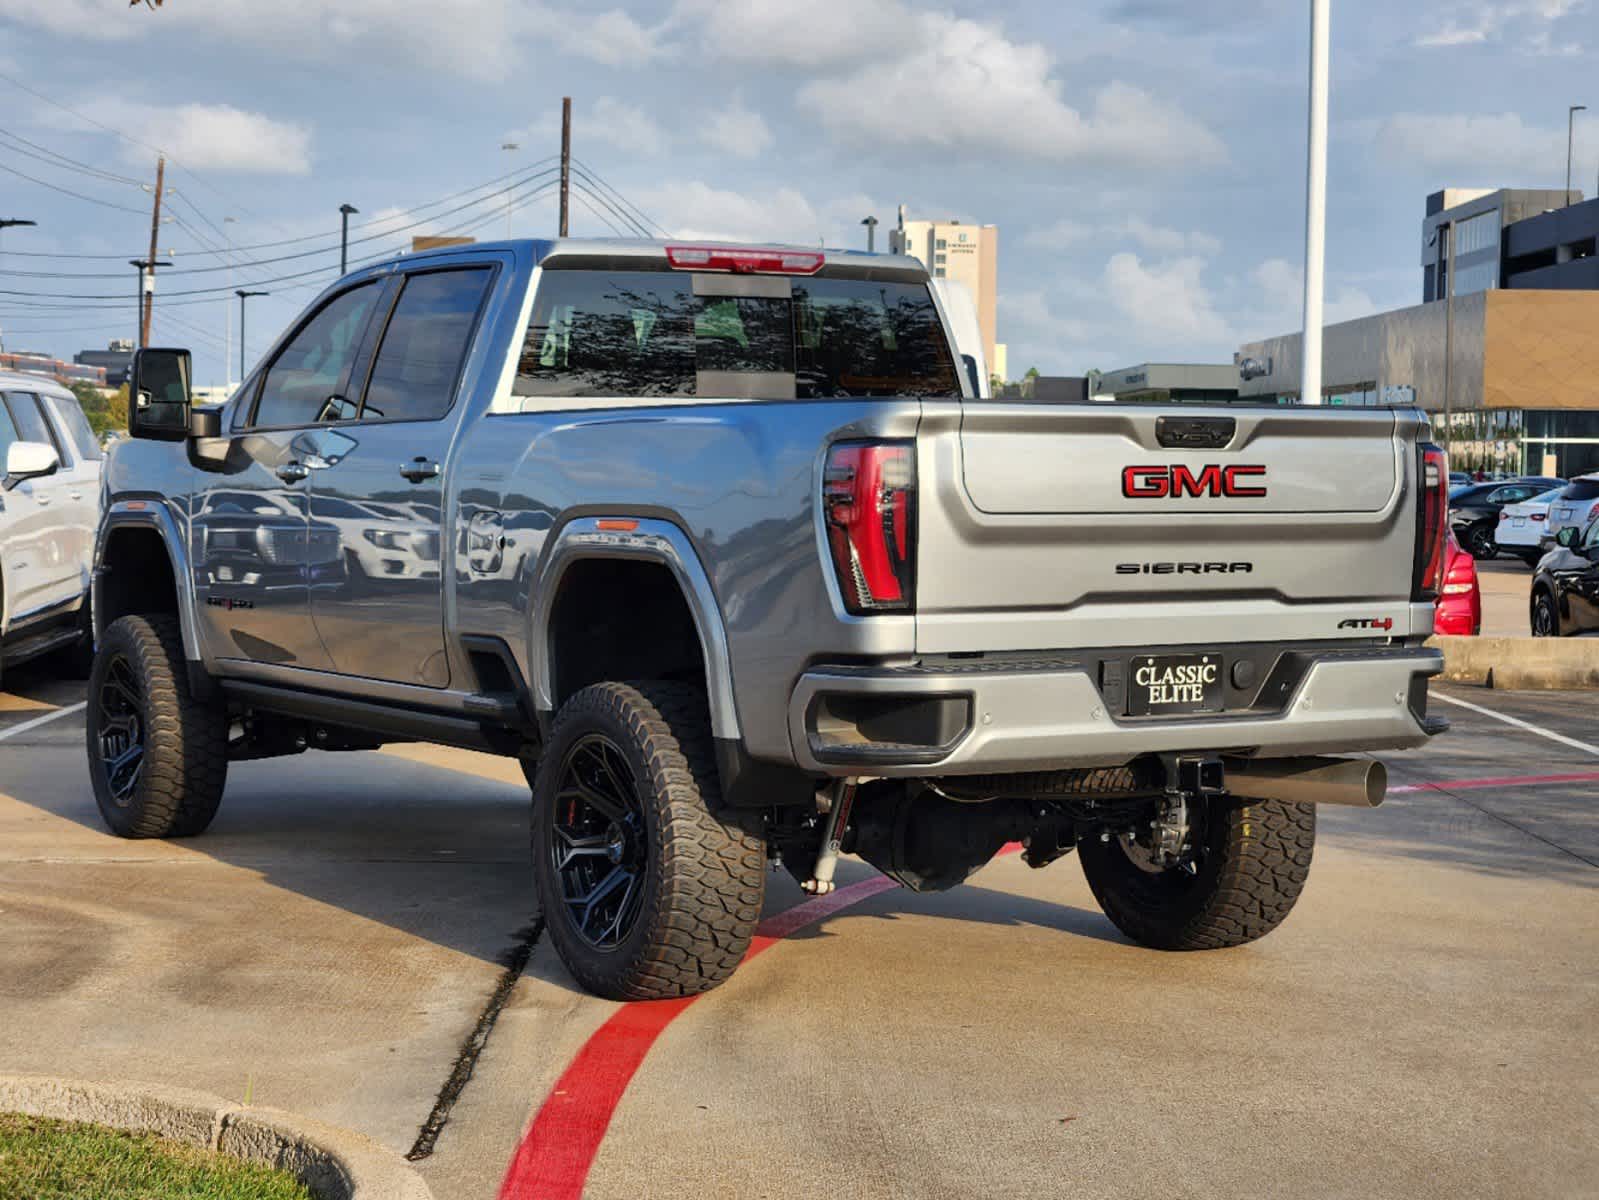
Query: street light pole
point(510, 148)
point(1571, 129)
point(6, 223)
point(344, 236)
point(871, 234)
point(243, 295)
point(1316, 202)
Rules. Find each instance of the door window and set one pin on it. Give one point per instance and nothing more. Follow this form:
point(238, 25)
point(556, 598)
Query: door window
point(1590, 539)
point(8, 435)
point(70, 416)
point(419, 364)
point(305, 384)
point(31, 423)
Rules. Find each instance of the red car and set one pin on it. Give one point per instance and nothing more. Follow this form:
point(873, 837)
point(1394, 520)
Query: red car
point(1460, 607)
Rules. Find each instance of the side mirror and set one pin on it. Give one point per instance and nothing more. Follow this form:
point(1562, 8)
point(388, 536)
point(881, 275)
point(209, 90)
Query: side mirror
point(29, 460)
point(159, 395)
point(1567, 537)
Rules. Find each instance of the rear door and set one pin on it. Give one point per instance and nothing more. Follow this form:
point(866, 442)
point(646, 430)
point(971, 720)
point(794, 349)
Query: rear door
point(81, 482)
point(51, 541)
point(378, 484)
point(255, 553)
point(1087, 525)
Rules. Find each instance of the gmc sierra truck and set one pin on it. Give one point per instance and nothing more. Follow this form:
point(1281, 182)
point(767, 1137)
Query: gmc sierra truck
point(722, 544)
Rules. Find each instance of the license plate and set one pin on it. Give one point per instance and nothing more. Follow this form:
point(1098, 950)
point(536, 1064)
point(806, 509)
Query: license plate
point(1518, 522)
point(1563, 514)
point(1175, 683)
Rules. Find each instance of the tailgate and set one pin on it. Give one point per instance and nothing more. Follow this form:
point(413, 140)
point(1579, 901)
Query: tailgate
point(1073, 526)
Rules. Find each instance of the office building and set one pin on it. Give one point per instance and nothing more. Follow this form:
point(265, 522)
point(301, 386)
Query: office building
point(963, 252)
point(1504, 353)
point(113, 362)
point(1169, 383)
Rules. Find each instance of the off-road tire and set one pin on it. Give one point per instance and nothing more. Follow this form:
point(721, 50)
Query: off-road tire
point(704, 878)
point(1252, 865)
point(185, 740)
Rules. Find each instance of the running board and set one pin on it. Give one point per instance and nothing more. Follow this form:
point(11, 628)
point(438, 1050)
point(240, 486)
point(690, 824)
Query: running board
point(493, 731)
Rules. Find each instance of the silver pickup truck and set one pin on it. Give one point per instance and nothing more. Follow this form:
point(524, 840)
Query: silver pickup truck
point(721, 544)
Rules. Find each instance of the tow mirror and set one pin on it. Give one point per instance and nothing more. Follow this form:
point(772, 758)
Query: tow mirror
point(159, 394)
point(29, 460)
point(1566, 537)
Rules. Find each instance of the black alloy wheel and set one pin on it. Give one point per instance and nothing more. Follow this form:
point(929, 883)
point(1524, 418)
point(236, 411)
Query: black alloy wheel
point(1480, 542)
point(1545, 616)
point(120, 729)
point(599, 848)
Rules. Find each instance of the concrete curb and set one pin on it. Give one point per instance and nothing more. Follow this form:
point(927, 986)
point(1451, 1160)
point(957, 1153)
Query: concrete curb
point(1534, 664)
point(335, 1164)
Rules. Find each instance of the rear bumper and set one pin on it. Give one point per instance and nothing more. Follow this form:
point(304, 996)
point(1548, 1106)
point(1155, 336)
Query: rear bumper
point(1049, 714)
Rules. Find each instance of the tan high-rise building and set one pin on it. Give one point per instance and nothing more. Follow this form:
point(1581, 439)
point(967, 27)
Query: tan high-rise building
point(968, 254)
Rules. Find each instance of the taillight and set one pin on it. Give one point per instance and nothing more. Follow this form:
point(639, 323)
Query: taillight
point(1431, 524)
point(869, 505)
point(740, 261)
point(1593, 513)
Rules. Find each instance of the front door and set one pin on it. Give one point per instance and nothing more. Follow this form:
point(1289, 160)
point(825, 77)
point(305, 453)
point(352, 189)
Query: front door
point(380, 484)
point(256, 554)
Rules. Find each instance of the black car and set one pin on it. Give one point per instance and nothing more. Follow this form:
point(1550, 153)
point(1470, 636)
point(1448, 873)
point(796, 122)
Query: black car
point(1565, 591)
point(1474, 509)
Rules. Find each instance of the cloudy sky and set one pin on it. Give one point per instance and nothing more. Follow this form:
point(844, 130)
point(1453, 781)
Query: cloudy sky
point(1143, 158)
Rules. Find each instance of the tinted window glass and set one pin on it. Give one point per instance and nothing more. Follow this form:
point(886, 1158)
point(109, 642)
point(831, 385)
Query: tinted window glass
point(1583, 489)
point(30, 422)
point(1592, 537)
point(70, 414)
point(420, 360)
point(858, 338)
point(644, 333)
point(618, 333)
point(303, 385)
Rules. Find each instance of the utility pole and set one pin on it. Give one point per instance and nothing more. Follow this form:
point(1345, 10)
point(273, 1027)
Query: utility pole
point(509, 148)
point(566, 160)
point(1571, 129)
point(243, 295)
point(148, 306)
point(1316, 202)
point(344, 236)
point(227, 311)
point(146, 268)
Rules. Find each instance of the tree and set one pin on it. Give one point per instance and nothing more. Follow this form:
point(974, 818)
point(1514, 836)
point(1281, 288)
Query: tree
point(105, 413)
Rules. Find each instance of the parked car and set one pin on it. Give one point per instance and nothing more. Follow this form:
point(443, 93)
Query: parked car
point(1565, 590)
point(1523, 525)
point(1578, 505)
point(1460, 604)
point(723, 545)
point(1474, 511)
point(49, 510)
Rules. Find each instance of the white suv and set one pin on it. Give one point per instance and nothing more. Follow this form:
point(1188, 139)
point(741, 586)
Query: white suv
point(49, 514)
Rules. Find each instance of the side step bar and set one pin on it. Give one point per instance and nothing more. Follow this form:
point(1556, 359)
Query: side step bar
point(494, 733)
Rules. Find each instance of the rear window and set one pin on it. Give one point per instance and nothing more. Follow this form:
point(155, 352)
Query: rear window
point(1582, 489)
point(645, 333)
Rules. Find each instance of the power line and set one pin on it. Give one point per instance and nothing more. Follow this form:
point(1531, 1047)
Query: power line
point(595, 177)
point(55, 187)
point(60, 161)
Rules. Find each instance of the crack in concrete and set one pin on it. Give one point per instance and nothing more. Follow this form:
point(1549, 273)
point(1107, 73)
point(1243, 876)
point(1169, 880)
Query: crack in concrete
point(515, 962)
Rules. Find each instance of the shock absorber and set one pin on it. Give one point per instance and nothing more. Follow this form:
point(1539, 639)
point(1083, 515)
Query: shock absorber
point(821, 881)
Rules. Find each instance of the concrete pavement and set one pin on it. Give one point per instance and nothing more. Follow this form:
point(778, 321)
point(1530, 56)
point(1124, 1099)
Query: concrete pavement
point(1420, 1026)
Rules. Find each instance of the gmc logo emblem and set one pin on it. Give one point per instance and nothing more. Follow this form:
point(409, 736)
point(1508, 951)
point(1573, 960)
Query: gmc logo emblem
point(1158, 483)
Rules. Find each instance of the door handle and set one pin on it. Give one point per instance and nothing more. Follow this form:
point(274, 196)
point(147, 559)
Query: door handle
point(293, 472)
point(41, 500)
point(419, 469)
point(76, 495)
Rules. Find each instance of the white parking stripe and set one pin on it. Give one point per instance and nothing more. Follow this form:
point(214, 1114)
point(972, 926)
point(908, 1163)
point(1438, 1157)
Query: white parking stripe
point(51, 716)
point(1520, 724)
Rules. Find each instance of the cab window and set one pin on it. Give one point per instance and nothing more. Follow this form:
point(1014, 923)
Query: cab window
point(306, 383)
point(419, 363)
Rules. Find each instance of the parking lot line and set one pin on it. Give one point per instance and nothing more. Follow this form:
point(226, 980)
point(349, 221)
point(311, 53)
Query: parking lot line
point(1520, 724)
point(38, 721)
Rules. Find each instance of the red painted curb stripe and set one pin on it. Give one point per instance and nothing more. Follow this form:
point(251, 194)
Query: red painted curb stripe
point(553, 1160)
point(1467, 785)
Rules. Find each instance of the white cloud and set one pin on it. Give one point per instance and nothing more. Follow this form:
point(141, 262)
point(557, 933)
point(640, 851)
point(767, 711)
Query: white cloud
point(736, 130)
point(201, 136)
point(1154, 238)
point(1281, 293)
point(964, 86)
point(477, 38)
point(619, 124)
point(1484, 21)
point(1166, 300)
point(812, 36)
point(1501, 148)
point(697, 210)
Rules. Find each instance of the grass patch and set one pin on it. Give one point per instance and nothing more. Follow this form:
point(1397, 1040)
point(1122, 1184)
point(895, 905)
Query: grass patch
point(42, 1159)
